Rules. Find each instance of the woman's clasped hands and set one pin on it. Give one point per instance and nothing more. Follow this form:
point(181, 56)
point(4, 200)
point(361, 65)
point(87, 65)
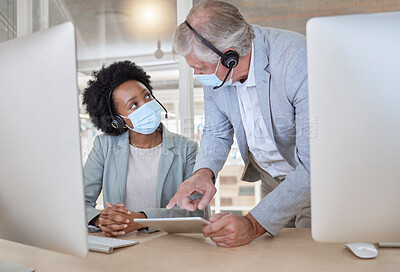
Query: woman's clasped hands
point(116, 220)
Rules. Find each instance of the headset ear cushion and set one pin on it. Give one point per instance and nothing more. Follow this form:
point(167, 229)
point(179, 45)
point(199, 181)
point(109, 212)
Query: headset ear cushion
point(231, 59)
point(117, 122)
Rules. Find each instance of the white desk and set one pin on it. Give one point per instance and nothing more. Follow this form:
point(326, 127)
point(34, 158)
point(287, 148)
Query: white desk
point(290, 250)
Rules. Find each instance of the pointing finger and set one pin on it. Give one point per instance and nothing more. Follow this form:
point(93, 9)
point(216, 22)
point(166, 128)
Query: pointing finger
point(172, 202)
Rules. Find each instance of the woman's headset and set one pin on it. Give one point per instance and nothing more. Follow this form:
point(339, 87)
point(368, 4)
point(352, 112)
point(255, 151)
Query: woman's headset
point(117, 121)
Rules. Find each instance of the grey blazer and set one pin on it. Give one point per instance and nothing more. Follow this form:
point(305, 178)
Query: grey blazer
point(281, 83)
point(107, 165)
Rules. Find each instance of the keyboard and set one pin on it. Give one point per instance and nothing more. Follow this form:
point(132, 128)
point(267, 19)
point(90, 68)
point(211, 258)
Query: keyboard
point(107, 245)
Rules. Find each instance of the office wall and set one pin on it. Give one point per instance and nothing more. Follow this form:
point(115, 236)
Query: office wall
point(293, 14)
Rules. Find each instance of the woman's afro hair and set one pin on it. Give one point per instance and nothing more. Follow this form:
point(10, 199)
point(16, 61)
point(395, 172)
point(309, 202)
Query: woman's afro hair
point(104, 81)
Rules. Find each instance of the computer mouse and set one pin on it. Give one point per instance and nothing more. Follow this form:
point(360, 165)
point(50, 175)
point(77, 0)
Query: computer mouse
point(363, 250)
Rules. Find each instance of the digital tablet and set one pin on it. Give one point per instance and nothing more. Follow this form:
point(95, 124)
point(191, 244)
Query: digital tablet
point(175, 224)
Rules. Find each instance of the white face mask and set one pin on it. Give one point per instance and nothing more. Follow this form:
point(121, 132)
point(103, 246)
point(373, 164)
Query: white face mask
point(212, 79)
point(145, 119)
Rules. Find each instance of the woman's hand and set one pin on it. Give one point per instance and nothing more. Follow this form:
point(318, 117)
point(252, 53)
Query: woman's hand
point(116, 220)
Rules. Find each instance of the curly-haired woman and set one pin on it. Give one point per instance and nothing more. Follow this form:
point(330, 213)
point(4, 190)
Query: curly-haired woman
point(137, 162)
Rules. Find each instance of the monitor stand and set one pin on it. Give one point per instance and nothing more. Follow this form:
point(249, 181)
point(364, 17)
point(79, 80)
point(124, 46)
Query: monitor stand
point(15, 267)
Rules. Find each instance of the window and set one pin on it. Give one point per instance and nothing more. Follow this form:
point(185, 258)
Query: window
point(110, 30)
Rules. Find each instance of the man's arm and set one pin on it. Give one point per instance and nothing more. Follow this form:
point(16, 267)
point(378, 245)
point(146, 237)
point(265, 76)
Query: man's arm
point(278, 207)
point(191, 151)
point(215, 145)
point(217, 137)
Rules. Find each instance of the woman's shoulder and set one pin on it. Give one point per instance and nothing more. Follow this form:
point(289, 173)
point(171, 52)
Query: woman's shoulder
point(184, 140)
point(107, 140)
point(180, 140)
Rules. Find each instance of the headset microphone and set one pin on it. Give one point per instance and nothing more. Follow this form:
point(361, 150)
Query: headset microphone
point(223, 82)
point(162, 106)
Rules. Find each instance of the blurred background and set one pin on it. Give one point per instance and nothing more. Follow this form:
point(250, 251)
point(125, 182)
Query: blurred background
point(141, 31)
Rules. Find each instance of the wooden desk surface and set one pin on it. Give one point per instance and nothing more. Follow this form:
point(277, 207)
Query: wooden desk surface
point(290, 250)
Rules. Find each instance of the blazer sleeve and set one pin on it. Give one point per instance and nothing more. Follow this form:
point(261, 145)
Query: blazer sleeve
point(217, 137)
point(93, 176)
point(191, 152)
point(278, 207)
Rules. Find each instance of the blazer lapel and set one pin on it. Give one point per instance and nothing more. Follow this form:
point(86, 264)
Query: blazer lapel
point(262, 77)
point(167, 158)
point(121, 164)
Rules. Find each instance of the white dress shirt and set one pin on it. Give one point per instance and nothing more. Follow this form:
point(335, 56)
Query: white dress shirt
point(260, 143)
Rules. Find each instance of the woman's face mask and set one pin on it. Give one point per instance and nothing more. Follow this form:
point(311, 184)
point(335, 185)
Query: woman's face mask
point(212, 79)
point(145, 119)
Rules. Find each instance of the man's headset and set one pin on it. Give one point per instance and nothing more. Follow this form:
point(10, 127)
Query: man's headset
point(229, 59)
point(117, 121)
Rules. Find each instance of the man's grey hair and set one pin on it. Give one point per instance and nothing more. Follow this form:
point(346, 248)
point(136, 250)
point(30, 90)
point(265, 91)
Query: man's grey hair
point(218, 22)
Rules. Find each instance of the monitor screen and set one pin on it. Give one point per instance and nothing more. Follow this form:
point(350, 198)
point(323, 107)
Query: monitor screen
point(41, 184)
point(354, 96)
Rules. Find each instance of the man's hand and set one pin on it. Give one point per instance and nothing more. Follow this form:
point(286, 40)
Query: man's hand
point(230, 230)
point(200, 182)
point(117, 220)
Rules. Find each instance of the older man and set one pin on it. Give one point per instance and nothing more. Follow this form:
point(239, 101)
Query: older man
point(255, 85)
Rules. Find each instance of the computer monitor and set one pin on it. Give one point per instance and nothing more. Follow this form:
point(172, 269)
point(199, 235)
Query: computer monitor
point(354, 96)
point(41, 183)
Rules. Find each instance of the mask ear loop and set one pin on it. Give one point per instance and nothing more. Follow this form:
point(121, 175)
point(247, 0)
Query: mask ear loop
point(128, 127)
point(216, 69)
point(125, 125)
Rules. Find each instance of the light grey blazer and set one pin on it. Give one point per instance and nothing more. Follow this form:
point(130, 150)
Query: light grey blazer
point(281, 83)
point(107, 165)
